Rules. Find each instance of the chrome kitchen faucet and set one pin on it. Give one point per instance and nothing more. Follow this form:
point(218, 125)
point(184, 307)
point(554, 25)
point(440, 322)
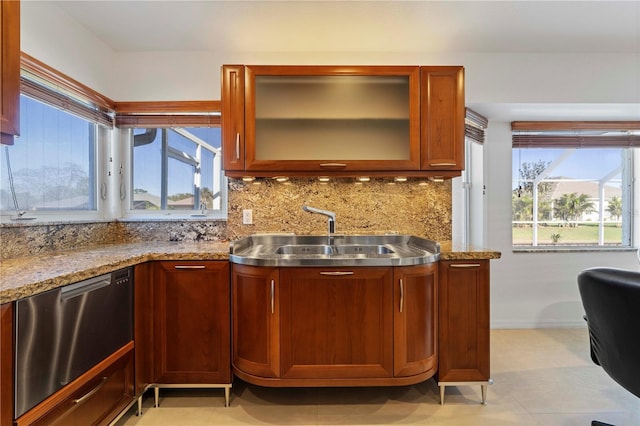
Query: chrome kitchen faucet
point(330, 215)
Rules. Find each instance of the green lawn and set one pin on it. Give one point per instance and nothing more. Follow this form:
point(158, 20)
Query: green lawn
point(583, 234)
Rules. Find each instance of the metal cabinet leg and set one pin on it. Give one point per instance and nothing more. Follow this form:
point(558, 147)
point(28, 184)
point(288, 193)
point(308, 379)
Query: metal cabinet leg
point(156, 396)
point(227, 392)
point(483, 388)
point(139, 413)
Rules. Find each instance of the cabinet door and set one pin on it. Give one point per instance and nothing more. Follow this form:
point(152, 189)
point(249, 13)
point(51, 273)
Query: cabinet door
point(443, 110)
point(233, 117)
point(464, 321)
point(256, 321)
point(191, 322)
point(325, 119)
point(6, 363)
point(143, 325)
point(336, 323)
point(9, 70)
point(415, 315)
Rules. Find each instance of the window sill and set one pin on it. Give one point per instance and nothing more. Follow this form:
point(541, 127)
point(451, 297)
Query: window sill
point(172, 218)
point(570, 249)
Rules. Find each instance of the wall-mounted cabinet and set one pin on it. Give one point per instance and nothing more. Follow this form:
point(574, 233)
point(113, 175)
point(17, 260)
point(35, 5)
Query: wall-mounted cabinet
point(339, 120)
point(9, 70)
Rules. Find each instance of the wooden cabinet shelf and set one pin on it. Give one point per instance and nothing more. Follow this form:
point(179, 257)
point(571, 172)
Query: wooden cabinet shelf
point(381, 119)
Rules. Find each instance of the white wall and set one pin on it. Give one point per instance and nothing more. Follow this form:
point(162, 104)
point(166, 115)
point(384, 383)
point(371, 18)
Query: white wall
point(528, 289)
point(51, 36)
point(531, 289)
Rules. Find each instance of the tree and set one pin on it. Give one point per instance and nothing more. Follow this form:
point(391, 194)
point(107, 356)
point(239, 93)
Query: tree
point(529, 172)
point(572, 206)
point(522, 208)
point(615, 208)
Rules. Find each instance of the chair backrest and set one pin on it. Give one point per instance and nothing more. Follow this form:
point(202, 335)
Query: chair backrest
point(611, 300)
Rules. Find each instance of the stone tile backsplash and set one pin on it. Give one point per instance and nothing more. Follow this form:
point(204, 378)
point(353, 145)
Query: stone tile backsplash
point(413, 207)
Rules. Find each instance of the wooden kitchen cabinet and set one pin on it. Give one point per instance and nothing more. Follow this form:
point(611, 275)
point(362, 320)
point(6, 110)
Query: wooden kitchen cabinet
point(233, 117)
point(315, 326)
point(6, 363)
point(9, 70)
point(94, 398)
point(320, 119)
point(256, 321)
point(336, 323)
point(415, 317)
point(443, 114)
point(191, 323)
point(143, 328)
point(463, 324)
point(343, 120)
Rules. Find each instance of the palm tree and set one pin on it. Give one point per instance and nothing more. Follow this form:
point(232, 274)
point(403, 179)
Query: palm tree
point(615, 208)
point(572, 206)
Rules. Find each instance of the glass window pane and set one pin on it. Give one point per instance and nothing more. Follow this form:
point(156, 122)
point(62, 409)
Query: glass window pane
point(570, 197)
point(52, 163)
point(176, 169)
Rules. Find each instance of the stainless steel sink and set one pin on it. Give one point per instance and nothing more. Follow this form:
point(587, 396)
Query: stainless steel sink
point(304, 249)
point(364, 249)
point(334, 250)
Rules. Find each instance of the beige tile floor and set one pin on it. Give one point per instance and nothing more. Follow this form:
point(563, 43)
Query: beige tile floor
point(542, 377)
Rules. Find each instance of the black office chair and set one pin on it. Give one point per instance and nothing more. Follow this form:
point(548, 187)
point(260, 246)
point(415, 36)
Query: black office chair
point(611, 301)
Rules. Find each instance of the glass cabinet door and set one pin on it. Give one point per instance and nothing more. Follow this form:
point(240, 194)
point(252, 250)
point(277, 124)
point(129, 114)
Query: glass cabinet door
point(332, 118)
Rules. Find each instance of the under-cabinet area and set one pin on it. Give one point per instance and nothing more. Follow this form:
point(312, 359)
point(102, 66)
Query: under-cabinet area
point(201, 323)
point(336, 120)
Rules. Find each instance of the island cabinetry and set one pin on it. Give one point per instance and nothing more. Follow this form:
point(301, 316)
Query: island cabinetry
point(443, 112)
point(464, 324)
point(415, 316)
point(191, 322)
point(320, 119)
point(256, 321)
point(9, 70)
point(336, 323)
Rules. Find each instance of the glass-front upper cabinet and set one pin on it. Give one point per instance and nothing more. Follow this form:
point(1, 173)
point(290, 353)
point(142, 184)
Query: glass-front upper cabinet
point(342, 120)
point(321, 118)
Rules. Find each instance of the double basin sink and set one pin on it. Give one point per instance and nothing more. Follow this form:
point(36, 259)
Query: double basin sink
point(333, 250)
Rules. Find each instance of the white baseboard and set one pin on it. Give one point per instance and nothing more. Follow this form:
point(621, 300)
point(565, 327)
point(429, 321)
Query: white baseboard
point(505, 324)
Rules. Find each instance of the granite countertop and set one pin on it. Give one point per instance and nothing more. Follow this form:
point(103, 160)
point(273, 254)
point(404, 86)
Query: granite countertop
point(26, 276)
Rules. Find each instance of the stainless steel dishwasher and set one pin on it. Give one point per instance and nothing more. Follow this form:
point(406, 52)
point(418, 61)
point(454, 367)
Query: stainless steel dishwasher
point(62, 333)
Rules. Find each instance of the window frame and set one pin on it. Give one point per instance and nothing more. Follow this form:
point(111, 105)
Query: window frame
point(582, 134)
point(57, 90)
point(167, 114)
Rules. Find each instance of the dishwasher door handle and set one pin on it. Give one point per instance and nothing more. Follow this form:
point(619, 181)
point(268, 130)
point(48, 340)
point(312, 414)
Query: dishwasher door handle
point(74, 290)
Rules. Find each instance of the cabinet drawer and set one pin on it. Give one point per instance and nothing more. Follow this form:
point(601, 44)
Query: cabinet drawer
point(95, 398)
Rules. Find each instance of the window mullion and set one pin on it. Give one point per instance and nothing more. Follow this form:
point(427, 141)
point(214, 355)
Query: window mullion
point(164, 188)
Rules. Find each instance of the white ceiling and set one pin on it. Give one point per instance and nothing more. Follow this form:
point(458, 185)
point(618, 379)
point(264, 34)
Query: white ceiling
point(339, 26)
point(534, 26)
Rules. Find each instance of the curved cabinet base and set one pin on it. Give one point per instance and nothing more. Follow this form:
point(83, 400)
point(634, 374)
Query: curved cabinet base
point(336, 382)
